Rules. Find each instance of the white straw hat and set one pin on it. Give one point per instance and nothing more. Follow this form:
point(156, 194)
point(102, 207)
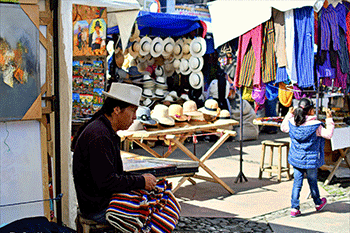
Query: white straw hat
point(134, 48)
point(186, 48)
point(196, 63)
point(176, 65)
point(169, 45)
point(161, 82)
point(145, 45)
point(159, 93)
point(211, 107)
point(156, 47)
point(169, 98)
point(190, 108)
point(224, 117)
point(185, 66)
point(125, 92)
point(169, 68)
point(148, 102)
point(196, 80)
point(161, 114)
point(159, 71)
point(147, 93)
point(176, 112)
point(173, 94)
point(198, 47)
point(178, 49)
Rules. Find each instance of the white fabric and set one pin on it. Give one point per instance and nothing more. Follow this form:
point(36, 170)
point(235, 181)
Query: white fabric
point(290, 52)
point(244, 16)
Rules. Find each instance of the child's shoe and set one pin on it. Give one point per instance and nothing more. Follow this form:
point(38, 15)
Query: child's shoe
point(323, 204)
point(295, 213)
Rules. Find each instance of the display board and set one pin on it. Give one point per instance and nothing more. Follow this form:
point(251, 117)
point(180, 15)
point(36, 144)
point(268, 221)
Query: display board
point(19, 65)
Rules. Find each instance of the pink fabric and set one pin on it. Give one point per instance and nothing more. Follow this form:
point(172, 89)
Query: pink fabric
point(255, 36)
point(326, 133)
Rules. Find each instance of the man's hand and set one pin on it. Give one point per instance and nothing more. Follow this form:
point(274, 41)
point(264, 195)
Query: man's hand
point(150, 181)
point(328, 113)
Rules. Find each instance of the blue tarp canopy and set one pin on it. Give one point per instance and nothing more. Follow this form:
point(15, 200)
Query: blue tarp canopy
point(163, 24)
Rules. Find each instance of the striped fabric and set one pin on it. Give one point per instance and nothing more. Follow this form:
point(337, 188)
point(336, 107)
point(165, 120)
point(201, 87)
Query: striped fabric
point(329, 28)
point(247, 71)
point(268, 56)
point(144, 211)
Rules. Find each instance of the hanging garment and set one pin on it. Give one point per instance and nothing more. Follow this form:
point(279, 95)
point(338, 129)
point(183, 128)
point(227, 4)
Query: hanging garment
point(247, 73)
point(271, 90)
point(285, 95)
point(290, 51)
point(253, 37)
point(348, 30)
point(343, 52)
point(280, 35)
point(325, 69)
point(304, 49)
point(339, 78)
point(281, 74)
point(247, 94)
point(268, 57)
point(258, 94)
point(329, 28)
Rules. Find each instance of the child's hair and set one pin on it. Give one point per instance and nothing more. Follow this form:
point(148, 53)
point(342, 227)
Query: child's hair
point(304, 106)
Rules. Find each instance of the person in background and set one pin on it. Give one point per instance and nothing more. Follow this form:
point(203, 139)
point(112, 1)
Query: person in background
point(306, 153)
point(97, 164)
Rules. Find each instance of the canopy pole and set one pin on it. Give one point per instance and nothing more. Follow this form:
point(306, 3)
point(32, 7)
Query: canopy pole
point(241, 176)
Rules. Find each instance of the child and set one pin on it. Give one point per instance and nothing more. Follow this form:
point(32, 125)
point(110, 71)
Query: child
point(306, 153)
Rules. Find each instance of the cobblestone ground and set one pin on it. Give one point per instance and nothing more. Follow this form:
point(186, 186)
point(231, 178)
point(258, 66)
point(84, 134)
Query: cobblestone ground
point(337, 190)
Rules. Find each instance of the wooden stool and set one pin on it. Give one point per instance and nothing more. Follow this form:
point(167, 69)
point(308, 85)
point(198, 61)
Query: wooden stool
point(275, 169)
point(84, 225)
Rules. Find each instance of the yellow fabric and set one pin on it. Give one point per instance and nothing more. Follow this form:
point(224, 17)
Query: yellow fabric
point(285, 96)
point(247, 94)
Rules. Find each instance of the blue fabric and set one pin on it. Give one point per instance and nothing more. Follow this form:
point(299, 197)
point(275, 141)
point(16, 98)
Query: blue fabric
point(298, 183)
point(307, 149)
point(162, 24)
point(281, 75)
point(271, 91)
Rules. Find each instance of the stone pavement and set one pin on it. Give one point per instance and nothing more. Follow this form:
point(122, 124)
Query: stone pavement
point(257, 205)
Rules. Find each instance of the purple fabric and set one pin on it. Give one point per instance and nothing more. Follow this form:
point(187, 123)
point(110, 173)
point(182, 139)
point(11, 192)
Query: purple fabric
point(326, 69)
point(341, 12)
point(271, 91)
point(339, 80)
point(298, 94)
point(329, 28)
point(258, 94)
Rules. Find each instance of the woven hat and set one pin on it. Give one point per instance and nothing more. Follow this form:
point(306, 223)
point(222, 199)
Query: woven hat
point(161, 114)
point(134, 48)
point(198, 47)
point(147, 93)
point(148, 102)
point(223, 117)
point(169, 68)
point(173, 94)
point(161, 82)
point(169, 45)
point(176, 112)
point(176, 64)
point(143, 114)
point(157, 47)
point(186, 48)
point(169, 98)
point(159, 71)
point(159, 93)
point(190, 108)
point(196, 80)
point(150, 61)
point(185, 66)
point(135, 33)
point(145, 45)
point(142, 66)
point(125, 92)
point(285, 96)
point(211, 107)
point(196, 63)
point(178, 49)
point(184, 97)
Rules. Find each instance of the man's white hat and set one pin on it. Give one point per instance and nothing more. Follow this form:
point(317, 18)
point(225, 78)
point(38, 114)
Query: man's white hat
point(196, 80)
point(157, 47)
point(145, 45)
point(125, 92)
point(198, 47)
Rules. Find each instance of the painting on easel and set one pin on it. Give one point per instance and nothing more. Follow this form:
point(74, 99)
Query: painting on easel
point(19, 64)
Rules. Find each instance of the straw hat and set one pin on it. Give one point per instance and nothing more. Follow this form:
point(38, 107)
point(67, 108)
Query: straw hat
point(224, 117)
point(196, 80)
point(185, 66)
point(157, 47)
point(176, 64)
point(169, 45)
point(159, 93)
point(173, 94)
point(169, 99)
point(134, 48)
point(145, 45)
point(161, 114)
point(161, 83)
point(148, 102)
point(198, 47)
point(125, 92)
point(142, 66)
point(178, 49)
point(159, 71)
point(190, 108)
point(211, 107)
point(147, 93)
point(135, 33)
point(150, 61)
point(186, 48)
point(169, 68)
point(143, 114)
point(196, 63)
point(184, 97)
point(176, 112)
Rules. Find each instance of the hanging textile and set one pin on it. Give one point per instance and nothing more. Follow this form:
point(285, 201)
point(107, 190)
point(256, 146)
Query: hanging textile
point(343, 52)
point(290, 52)
point(304, 50)
point(268, 56)
point(285, 95)
point(247, 73)
point(280, 35)
point(271, 90)
point(252, 62)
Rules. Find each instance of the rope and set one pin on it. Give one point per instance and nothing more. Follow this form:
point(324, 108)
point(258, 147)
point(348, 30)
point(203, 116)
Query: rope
point(59, 197)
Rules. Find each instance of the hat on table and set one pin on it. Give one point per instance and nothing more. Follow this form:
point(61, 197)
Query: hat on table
point(161, 114)
point(148, 102)
point(125, 92)
point(147, 93)
point(143, 114)
point(211, 107)
point(159, 93)
point(190, 108)
point(223, 117)
point(168, 98)
point(176, 112)
point(173, 94)
point(161, 83)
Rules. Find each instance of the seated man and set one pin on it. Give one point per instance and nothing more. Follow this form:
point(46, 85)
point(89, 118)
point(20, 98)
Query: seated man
point(97, 164)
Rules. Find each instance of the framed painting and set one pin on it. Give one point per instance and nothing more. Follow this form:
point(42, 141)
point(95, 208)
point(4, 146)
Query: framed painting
point(20, 97)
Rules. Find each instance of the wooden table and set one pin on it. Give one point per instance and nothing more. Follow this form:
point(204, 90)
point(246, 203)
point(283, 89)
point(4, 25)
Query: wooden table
point(177, 137)
point(339, 142)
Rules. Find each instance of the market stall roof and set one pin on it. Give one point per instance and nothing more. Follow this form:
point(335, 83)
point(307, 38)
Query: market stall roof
point(162, 24)
point(230, 19)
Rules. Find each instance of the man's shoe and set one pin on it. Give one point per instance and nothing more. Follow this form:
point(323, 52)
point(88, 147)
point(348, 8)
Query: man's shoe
point(323, 204)
point(295, 213)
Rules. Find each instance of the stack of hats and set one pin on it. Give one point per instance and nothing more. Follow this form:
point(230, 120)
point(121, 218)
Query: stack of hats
point(161, 114)
point(190, 109)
